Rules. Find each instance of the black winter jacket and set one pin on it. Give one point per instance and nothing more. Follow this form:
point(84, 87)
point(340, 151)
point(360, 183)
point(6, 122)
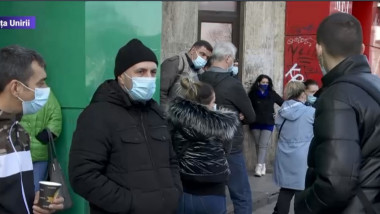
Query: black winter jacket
point(264, 107)
point(121, 157)
point(230, 94)
point(344, 155)
point(201, 139)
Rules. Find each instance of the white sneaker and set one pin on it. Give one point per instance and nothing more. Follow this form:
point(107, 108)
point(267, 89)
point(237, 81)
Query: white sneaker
point(263, 170)
point(258, 170)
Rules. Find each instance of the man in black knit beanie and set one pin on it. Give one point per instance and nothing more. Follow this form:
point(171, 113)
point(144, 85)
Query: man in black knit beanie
point(121, 158)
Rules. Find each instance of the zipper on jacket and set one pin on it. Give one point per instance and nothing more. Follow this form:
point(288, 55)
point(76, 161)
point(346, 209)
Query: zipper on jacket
point(150, 152)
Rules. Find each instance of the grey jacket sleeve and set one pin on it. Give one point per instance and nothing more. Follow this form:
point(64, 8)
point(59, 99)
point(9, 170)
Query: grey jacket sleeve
point(169, 75)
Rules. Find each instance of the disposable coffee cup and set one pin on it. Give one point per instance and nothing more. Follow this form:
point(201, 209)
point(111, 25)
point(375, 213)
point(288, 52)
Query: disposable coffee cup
point(48, 192)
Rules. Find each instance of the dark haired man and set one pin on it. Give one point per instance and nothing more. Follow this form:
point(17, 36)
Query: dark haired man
point(344, 164)
point(22, 91)
point(188, 63)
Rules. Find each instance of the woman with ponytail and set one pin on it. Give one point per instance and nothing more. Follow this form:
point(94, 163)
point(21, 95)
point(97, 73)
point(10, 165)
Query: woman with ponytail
point(201, 136)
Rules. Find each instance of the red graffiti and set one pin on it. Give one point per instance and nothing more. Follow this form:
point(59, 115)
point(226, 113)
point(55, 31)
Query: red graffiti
point(301, 60)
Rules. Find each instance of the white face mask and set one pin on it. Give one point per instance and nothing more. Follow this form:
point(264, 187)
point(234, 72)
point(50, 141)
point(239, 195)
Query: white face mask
point(214, 107)
point(41, 96)
point(199, 62)
point(143, 88)
point(234, 70)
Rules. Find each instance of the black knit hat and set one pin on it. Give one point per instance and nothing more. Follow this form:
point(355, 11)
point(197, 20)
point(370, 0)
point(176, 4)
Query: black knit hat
point(132, 53)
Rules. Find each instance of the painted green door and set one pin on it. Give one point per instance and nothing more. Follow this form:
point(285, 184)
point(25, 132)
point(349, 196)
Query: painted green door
point(79, 42)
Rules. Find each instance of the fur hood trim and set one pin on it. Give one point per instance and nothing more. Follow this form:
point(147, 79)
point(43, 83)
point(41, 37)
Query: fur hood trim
point(198, 121)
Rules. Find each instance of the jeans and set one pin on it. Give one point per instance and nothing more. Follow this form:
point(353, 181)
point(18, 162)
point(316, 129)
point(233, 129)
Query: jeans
point(39, 173)
point(238, 184)
point(202, 204)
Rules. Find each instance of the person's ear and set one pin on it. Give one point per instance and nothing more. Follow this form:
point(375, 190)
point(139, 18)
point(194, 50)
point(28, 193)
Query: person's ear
point(363, 49)
point(14, 87)
point(318, 48)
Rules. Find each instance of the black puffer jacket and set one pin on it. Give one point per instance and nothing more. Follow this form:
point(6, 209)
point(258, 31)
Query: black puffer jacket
point(121, 157)
point(229, 93)
point(201, 139)
point(344, 156)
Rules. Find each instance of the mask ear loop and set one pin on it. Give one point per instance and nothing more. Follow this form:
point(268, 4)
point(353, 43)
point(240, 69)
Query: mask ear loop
point(19, 164)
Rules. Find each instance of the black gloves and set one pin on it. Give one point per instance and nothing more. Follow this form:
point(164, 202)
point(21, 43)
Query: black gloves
point(43, 136)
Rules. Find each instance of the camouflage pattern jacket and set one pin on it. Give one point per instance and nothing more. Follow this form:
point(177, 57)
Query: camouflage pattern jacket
point(16, 168)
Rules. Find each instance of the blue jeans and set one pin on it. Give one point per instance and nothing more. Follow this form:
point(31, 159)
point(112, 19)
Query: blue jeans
point(238, 184)
point(39, 173)
point(202, 204)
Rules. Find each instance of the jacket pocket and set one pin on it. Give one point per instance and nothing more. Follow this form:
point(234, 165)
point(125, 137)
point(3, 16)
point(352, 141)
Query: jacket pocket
point(131, 135)
point(160, 133)
point(147, 202)
point(133, 150)
point(160, 143)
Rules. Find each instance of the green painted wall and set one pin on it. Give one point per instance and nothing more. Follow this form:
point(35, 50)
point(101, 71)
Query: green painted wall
point(79, 42)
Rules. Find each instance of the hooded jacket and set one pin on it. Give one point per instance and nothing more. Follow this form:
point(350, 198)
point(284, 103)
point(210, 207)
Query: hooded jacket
point(201, 139)
point(344, 155)
point(230, 94)
point(121, 158)
point(16, 167)
point(49, 117)
point(297, 121)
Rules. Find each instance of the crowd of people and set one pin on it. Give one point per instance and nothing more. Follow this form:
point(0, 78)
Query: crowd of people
point(130, 154)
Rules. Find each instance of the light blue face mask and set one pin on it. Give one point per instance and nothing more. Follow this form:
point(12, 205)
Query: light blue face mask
point(234, 70)
point(41, 96)
point(199, 62)
point(311, 99)
point(323, 69)
point(143, 88)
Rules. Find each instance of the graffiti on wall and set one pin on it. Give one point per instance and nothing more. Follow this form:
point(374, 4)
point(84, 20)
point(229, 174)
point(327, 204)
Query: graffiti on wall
point(295, 74)
point(341, 6)
point(301, 61)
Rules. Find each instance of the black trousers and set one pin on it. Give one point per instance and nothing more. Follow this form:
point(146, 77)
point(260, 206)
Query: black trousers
point(283, 201)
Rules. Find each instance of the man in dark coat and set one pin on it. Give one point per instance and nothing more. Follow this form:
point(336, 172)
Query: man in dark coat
point(230, 94)
point(344, 164)
point(121, 158)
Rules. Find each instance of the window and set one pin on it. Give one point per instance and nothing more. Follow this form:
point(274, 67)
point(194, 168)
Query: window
point(219, 21)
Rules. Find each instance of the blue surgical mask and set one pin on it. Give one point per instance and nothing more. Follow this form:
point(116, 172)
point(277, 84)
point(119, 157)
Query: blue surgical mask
point(263, 86)
point(143, 88)
point(41, 96)
point(199, 62)
point(324, 72)
point(311, 99)
point(323, 69)
point(234, 70)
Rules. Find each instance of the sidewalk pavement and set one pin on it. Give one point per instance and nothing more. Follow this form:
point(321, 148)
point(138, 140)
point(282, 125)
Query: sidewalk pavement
point(264, 192)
